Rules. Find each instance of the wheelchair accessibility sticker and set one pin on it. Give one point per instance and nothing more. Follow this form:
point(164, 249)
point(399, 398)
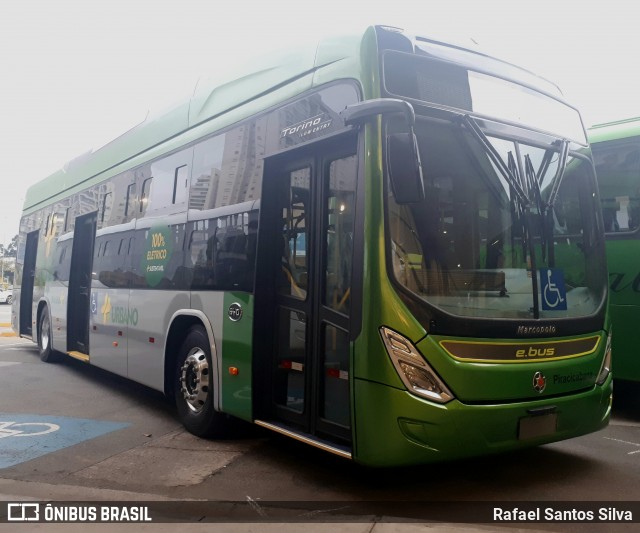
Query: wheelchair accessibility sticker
point(554, 295)
point(25, 437)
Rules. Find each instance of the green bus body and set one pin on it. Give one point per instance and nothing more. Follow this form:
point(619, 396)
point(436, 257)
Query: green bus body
point(616, 149)
point(245, 254)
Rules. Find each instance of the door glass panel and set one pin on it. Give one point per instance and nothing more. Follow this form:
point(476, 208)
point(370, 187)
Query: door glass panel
point(295, 260)
point(339, 217)
point(290, 360)
point(335, 378)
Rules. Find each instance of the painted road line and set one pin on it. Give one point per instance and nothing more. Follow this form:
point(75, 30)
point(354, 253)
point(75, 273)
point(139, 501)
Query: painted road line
point(9, 333)
point(636, 444)
point(24, 344)
point(27, 436)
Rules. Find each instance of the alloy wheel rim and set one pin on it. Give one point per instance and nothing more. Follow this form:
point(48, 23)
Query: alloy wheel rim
point(194, 380)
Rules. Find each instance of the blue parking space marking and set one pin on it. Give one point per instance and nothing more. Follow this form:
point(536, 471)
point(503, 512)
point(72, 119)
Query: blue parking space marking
point(25, 437)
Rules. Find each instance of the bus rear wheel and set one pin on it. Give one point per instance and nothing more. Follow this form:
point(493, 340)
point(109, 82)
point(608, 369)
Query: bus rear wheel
point(194, 387)
point(47, 353)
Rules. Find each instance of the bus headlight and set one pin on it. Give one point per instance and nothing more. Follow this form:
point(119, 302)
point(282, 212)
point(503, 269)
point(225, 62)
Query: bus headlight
point(414, 371)
point(605, 370)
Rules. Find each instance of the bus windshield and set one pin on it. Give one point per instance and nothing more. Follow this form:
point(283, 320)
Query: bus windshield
point(516, 242)
point(443, 83)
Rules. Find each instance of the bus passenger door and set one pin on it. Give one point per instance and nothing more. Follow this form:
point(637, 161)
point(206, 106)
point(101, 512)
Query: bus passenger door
point(28, 279)
point(78, 301)
point(309, 204)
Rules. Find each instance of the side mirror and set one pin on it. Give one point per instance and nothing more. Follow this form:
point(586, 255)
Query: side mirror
point(403, 158)
point(361, 112)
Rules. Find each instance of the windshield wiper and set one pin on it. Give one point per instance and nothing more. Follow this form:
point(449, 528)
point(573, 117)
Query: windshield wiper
point(519, 210)
point(557, 179)
point(511, 175)
point(533, 183)
point(497, 160)
point(545, 209)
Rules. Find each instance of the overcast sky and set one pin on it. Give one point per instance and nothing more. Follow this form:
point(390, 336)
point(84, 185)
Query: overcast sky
point(76, 73)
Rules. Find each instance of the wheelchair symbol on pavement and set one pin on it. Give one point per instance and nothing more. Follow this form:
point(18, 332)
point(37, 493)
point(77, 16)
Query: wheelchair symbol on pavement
point(553, 291)
point(26, 429)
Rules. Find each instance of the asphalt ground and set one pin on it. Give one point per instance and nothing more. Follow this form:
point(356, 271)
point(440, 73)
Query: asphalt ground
point(74, 433)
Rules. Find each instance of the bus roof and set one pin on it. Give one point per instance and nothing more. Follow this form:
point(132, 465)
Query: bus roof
point(619, 129)
point(300, 69)
point(218, 103)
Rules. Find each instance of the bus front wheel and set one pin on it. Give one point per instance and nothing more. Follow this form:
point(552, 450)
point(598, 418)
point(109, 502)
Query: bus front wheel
point(194, 387)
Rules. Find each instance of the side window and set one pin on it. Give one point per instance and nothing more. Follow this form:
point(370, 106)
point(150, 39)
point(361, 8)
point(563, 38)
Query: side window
point(222, 251)
point(202, 249)
point(129, 206)
point(105, 208)
point(63, 264)
point(162, 192)
point(47, 225)
point(618, 170)
point(109, 261)
point(145, 193)
point(176, 275)
point(90, 200)
point(311, 117)
point(235, 259)
point(170, 184)
point(180, 184)
point(98, 260)
point(28, 224)
point(138, 280)
point(67, 219)
point(227, 168)
point(205, 179)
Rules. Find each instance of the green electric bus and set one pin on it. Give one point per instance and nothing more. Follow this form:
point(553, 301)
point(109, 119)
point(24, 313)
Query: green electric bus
point(616, 153)
point(386, 246)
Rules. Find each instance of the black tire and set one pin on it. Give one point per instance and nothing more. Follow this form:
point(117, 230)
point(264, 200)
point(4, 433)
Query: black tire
point(194, 387)
point(47, 353)
point(9, 300)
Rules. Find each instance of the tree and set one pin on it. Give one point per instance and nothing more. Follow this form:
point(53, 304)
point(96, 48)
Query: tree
point(6, 266)
point(11, 250)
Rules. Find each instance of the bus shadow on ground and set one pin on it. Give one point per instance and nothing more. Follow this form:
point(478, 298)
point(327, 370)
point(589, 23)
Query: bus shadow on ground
point(507, 476)
point(626, 399)
point(145, 396)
